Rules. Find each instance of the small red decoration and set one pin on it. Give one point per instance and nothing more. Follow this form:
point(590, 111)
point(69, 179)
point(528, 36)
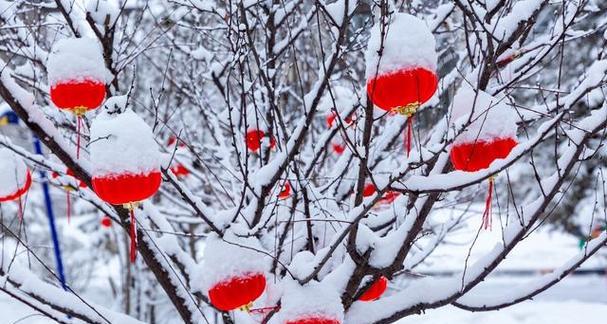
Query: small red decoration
point(286, 191)
point(331, 119)
point(389, 197)
point(339, 149)
point(254, 138)
point(314, 320)
point(402, 92)
point(106, 221)
point(376, 290)
point(369, 190)
point(479, 155)
point(237, 292)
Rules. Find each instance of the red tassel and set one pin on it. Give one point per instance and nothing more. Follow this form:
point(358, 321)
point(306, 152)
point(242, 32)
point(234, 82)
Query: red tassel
point(78, 139)
point(133, 252)
point(409, 134)
point(68, 205)
point(487, 219)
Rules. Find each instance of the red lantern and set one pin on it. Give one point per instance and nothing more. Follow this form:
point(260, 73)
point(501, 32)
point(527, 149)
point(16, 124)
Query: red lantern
point(314, 319)
point(338, 148)
point(125, 160)
point(404, 77)
point(389, 197)
point(254, 138)
point(286, 191)
point(78, 96)
point(124, 189)
point(237, 292)
point(16, 195)
point(106, 221)
point(376, 290)
point(77, 76)
point(179, 170)
point(479, 155)
point(369, 190)
point(15, 178)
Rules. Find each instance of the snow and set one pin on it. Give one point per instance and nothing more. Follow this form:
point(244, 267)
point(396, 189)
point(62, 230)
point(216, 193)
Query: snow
point(311, 300)
point(100, 10)
point(413, 48)
point(526, 313)
point(13, 173)
point(122, 143)
point(229, 257)
point(76, 59)
point(489, 117)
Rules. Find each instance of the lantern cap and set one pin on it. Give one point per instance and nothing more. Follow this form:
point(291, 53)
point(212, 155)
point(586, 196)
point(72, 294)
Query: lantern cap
point(77, 59)
point(122, 143)
point(13, 173)
point(491, 118)
point(229, 257)
point(408, 43)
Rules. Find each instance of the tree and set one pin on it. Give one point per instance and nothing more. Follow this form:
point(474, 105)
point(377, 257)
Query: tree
point(207, 72)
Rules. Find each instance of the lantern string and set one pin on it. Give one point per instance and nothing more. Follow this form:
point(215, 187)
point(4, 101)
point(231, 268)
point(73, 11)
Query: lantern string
point(409, 134)
point(68, 204)
point(263, 310)
point(78, 138)
point(487, 219)
point(133, 232)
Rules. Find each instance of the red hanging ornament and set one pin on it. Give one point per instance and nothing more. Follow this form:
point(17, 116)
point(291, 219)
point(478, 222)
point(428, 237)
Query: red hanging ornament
point(77, 77)
point(254, 139)
point(286, 191)
point(339, 149)
point(312, 319)
point(179, 170)
point(369, 190)
point(491, 135)
point(333, 116)
point(375, 290)
point(106, 221)
point(131, 175)
point(237, 292)
point(404, 77)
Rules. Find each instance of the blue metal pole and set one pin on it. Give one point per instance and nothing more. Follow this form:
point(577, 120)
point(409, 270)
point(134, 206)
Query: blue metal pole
point(51, 217)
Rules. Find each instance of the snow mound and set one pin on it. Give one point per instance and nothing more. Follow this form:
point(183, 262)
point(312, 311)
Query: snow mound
point(229, 257)
point(77, 59)
point(13, 172)
point(123, 143)
point(408, 43)
point(490, 118)
point(311, 300)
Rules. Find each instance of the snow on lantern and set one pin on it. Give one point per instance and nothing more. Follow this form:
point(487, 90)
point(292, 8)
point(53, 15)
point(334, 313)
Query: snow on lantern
point(77, 77)
point(490, 135)
point(233, 274)
point(68, 188)
point(376, 290)
point(125, 160)
point(313, 303)
point(15, 178)
point(255, 137)
point(404, 77)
